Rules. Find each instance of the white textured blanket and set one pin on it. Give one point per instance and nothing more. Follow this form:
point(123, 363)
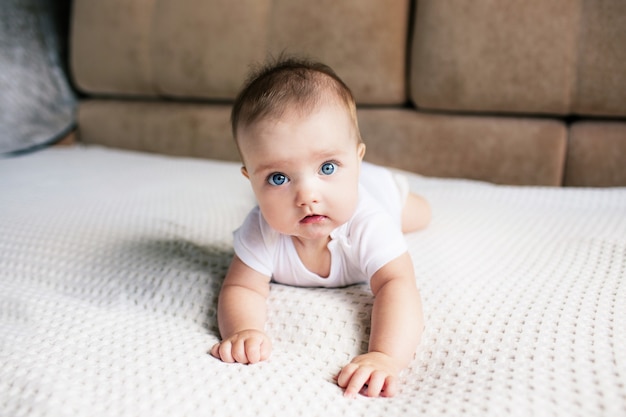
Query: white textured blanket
point(111, 261)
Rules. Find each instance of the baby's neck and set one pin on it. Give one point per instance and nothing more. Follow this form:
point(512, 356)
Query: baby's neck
point(314, 254)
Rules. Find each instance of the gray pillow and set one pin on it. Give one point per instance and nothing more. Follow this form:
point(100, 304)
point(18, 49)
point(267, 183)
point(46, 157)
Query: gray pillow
point(37, 103)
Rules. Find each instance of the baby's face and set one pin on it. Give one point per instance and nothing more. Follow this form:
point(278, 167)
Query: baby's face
point(304, 170)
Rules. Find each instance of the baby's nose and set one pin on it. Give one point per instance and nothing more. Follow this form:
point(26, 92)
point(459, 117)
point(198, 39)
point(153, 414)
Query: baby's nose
point(307, 193)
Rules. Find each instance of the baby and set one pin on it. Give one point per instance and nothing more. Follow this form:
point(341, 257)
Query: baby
point(323, 218)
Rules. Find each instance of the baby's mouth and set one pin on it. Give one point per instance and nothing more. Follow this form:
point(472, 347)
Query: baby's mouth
point(313, 219)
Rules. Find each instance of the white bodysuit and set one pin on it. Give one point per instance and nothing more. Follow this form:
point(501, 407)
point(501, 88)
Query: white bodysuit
point(358, 248)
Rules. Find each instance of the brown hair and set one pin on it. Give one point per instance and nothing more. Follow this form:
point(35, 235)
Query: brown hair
point(293, 83)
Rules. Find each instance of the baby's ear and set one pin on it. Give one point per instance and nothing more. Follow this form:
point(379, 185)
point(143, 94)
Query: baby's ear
point(244, 171)
point(361, 150)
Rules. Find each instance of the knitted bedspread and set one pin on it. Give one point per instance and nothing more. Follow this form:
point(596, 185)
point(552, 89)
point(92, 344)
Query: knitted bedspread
point(111, 262)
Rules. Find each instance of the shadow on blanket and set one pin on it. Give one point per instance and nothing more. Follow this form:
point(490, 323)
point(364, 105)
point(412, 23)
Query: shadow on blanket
point(173, 277)
point(181, 278)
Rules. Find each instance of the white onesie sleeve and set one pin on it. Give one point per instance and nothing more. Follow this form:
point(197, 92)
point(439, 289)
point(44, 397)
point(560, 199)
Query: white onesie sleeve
point(376, 237)
point(253, 242)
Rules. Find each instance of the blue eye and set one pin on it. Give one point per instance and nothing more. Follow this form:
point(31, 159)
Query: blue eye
point(328, 168)
point(277, 178)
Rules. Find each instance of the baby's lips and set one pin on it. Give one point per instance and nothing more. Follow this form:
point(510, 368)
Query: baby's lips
point(312, 219)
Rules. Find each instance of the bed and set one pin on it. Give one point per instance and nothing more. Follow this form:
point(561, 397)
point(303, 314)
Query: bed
point(112, 261)
point(509, 117)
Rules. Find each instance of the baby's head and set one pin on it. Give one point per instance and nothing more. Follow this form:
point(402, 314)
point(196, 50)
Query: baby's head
point(290, 85)
point(296, 129)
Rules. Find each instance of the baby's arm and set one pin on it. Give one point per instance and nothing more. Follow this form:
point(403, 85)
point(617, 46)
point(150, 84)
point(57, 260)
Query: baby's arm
point(241, 316)
point(397, 325)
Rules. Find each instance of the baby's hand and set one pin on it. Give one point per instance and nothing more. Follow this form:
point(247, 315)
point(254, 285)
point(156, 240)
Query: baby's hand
point(247, 346)
point(375, 370)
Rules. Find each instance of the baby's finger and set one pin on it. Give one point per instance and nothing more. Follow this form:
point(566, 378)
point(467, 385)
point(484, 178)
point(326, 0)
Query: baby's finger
point(358, 381)
point(214, 351)
point(391, 387)
point(266, 349)
point(225, 353)
point(345, 374)
point(376, 383)
point(253, 350)
point(238, 351)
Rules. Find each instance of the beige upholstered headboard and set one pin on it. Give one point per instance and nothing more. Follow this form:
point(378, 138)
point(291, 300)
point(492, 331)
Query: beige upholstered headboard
point(516, 92)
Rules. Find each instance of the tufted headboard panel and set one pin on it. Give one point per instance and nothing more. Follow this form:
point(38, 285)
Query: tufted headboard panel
point(495, 91)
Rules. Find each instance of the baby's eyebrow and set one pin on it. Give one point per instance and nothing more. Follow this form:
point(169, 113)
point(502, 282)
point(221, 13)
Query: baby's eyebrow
point(325, 155)
point(273, 166)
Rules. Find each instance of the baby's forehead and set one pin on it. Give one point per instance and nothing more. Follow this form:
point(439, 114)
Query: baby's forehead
point(295, 111)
